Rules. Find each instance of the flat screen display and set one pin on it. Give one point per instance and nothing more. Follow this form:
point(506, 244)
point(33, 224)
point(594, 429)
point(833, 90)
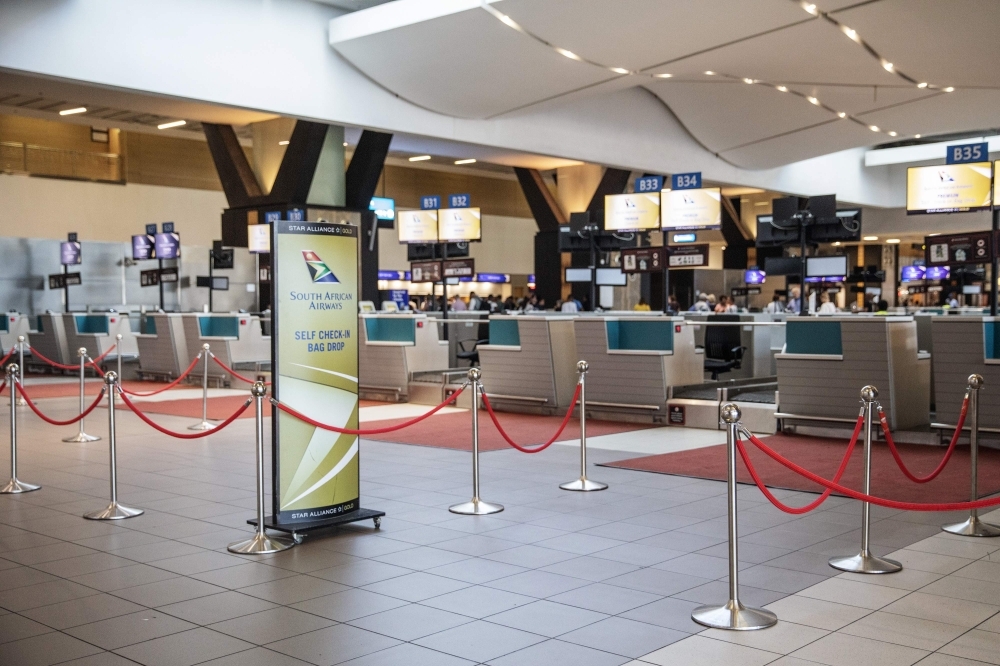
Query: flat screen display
point(577, 275)
point(631, 212)
point(691, 209)
point(220, 283)
point(69, 253)
point(937, 273)
point(143, 247)
point(168, 246)
point(912, 273)
point(949, 188)
point(417, 226)
point(824, 267)
point(611, 277)
point(385, 208)
point(259, 238)
point(754, 276)
point(459, 224)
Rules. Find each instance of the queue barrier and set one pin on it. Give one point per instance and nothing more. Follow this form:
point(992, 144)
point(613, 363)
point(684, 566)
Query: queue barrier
point(15, 486)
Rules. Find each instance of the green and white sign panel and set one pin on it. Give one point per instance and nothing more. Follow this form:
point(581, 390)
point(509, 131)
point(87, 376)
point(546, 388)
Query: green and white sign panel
point(315, 369)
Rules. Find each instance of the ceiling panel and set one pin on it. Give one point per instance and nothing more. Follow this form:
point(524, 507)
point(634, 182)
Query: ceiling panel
point(636, 34)
point(858, 99)
point(726, 115)
point(814, 52)
point(827, 138)
point(960, 111)
point(944, 42)
point(468, 65)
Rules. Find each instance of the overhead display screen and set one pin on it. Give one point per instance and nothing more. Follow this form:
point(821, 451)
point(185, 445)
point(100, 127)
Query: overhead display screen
point(417, 226)
point(143, 247)
point(631, 212)
point(259, 238)
point(167, 245)
point(996, 190)
point(459, 224)
point(691, 209)
point(949, 188)
point(826, 267)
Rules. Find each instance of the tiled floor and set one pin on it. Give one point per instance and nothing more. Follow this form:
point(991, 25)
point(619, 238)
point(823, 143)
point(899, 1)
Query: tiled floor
point(557, 578)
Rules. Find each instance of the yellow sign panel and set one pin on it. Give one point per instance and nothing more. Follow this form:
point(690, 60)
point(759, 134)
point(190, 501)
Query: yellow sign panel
point(459, 224)
point(691, 209)
point(631, 212)
point(996, 190)
point(949, 188)
point(417, 226)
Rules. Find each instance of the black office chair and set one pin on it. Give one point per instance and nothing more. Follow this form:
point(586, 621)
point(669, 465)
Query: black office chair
point(723, 351)
point(470, 355)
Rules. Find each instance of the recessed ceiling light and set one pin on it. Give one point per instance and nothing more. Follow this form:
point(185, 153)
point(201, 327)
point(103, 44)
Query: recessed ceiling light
point(850, 32)
point(870, 238)
point(810, 8)
point(509, 21)
point(748, 81)
point(709, 73)
point(663, 76)
point(874, 128)
point(345, 144)
point(841, 114)
point(892, 241)
point(420, 158)
point(175, 123)
point(949, 89)
point(619, 70)
point(568, 54)
point(468, 161)
point(813, 100)
point(922, 85)
point(892, 134)
point(836, 243)
point(916, 136)
point(285, 143)
point(782, 88)
point(887, 66)
point(70, 112)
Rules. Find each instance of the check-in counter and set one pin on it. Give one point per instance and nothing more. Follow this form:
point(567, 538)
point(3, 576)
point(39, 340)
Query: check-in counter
point(11, 326)
point(49, 339)
point(221, 332)
point(97, 333)
point(827, 360)
point(633, 363)
point(394, 347)
point(966, 345)
point(163, 350)
point(462, 331)
point(761, 342)
point(529, 364)
point(251, 347)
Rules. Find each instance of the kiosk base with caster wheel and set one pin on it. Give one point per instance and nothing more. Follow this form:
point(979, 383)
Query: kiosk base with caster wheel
point(298, 530)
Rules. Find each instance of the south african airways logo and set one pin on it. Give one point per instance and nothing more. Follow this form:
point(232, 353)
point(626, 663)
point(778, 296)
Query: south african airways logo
point(317, 267)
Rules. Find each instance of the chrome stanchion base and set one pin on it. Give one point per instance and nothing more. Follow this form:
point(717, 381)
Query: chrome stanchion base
point(204, 425)
point(113, 511)
point(973, 526)
point(866, 563)
point(583, 484)
point(261, 544)
point(476, 507)
point(82, 438)
point(14, 487)
point(734, 616)
point(20, 402)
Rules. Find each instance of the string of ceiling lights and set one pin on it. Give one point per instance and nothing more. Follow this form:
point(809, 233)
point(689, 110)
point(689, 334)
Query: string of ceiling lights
point(809, 7)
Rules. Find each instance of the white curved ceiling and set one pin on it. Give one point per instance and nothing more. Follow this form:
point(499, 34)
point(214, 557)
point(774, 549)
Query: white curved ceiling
point(471, 59)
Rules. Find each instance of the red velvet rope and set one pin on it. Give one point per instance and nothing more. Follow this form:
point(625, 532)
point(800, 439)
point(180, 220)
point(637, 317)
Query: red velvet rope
point(853, 494)
point(234, 373)
point(100, 358)
point(375, 431)
point(35, 353)
point(168, 386)
point(826, 493)
point(71, 421)
point(539, 447)
point(947, 454)
point(182, 435)
point(8, 355)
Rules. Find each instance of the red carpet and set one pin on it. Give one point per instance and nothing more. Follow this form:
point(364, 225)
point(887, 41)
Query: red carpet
point(454, 431)
point(218, 408)
point(71, 389)
point(822, 456)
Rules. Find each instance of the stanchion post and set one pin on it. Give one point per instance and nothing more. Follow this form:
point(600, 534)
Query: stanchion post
point(21, 402)
point(733, 614)
point(260, 543)
point(204, 424)
point(14, 486)
point(973, 526)
point(475, 507)
point(118, 350)
point(583, 484)
point(864, 562)
point(81, 436)
point(114, 510)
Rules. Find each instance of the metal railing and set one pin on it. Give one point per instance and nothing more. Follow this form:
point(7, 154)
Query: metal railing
point(16, 157)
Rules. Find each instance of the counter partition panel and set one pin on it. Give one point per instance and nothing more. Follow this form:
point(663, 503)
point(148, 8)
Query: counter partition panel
point(962, 346)
point(826, 358)
point(163, 350)
point(633, 363)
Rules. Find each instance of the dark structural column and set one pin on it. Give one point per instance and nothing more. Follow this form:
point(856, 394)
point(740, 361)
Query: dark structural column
point(548, 216)
point(238, 180)
point(362, 178)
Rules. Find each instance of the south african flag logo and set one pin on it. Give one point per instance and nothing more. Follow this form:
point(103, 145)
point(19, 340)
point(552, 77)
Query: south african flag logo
point(317, 267)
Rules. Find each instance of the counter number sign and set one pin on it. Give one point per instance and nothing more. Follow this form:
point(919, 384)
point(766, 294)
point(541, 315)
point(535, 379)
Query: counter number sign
point(648, 184)
point(686, 181)
point(430, 202)
point(459, 201)
point(969, 152)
